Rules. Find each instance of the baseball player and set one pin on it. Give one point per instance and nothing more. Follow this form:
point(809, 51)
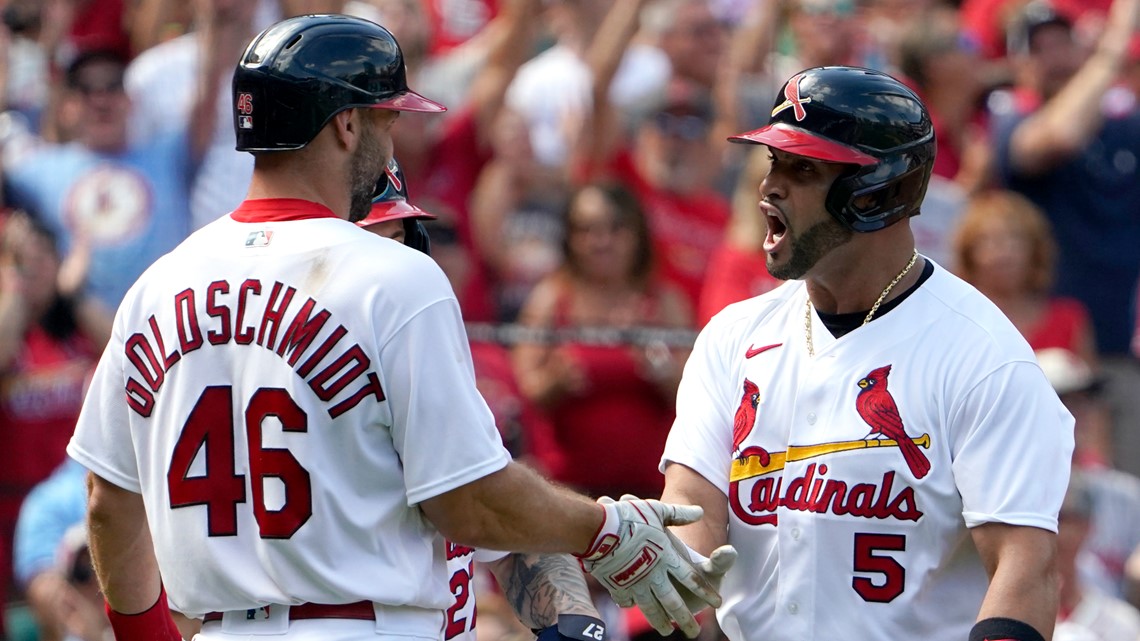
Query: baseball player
point(285, 420)
point(392, 216)
point(547, 592)
point(873, 437)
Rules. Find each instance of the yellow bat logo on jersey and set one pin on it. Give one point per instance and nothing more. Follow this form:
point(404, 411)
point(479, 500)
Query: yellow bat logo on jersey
point(756, 492)
point(758, 464)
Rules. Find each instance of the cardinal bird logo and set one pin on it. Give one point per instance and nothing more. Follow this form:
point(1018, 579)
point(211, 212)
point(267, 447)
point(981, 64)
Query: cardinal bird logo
point(877, 408)
point(745, 414)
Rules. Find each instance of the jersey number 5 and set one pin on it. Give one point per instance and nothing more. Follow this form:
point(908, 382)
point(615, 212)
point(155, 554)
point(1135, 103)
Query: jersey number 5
point(866, 561)
point(210, 428)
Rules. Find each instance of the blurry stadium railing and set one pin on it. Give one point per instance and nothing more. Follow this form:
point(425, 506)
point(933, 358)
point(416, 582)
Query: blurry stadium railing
point(512, 334)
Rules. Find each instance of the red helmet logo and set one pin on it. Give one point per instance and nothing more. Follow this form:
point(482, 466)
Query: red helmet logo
point(792, 99)
point(393, 177)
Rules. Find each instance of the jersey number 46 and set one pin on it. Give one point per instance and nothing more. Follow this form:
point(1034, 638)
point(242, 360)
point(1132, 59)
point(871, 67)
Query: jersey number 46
point(210, 427)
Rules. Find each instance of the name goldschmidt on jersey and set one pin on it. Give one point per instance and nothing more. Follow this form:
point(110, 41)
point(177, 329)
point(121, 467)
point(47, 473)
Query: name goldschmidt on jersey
point(330, 369)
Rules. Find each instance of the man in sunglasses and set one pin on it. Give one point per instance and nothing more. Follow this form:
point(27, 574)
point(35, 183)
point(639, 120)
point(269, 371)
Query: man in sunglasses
point(115, 203)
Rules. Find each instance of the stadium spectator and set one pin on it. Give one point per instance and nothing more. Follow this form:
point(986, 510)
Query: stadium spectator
point(1005, 247)
point(1115, 531)
point(516, 215)
point(1071, 146)
point(446, 164)
point(617, 390)
point(1081, 390)
point(690, 36)
point(1085, 613)
point(822, 32)
point(987, 21)
point(26, 45)
point(49, 344)
point(952, 78)
point(455, 22)
point(671, 165)
point(163, 84)
point(51, 509)
point(127, 202)
point(669, 160)
point(554, 91)
point(885, 23)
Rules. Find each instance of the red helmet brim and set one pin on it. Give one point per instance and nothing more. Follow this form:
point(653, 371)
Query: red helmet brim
point(411, 101)
point(394, 210)
point(804, 143)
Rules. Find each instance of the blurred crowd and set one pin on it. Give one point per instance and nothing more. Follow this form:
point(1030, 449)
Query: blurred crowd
point(591, 217)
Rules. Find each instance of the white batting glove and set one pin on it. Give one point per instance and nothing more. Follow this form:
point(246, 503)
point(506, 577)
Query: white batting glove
point(634, 558)
point(712, 568)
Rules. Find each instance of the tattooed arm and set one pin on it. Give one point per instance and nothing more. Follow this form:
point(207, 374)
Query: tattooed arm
point(540, 587)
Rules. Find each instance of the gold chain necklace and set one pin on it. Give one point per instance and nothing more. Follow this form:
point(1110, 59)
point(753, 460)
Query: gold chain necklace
point(870, 314)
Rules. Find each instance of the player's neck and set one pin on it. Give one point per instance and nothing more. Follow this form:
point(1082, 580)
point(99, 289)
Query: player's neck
point(285, 181)
point(853, 277)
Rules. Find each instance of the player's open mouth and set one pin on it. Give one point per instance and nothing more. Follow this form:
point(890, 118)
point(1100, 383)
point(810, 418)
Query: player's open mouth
point(774, 220)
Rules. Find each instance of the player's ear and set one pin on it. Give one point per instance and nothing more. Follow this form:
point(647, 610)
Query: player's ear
point(346, 127)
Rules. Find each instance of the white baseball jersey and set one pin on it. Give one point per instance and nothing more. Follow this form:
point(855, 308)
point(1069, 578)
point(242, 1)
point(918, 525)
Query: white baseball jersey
point(283, 389)
point(853, 476)
point(460, 620)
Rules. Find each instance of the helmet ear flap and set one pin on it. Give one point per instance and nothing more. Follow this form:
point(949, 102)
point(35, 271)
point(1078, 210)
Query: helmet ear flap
point(877, 196)
point(416, 235)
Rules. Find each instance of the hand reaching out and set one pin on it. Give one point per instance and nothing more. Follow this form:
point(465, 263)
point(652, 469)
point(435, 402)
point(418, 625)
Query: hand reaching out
point(641, 563)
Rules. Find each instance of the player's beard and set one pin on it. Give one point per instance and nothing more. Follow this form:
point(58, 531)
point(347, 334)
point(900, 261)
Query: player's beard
point(810, 247)
point(367, 164)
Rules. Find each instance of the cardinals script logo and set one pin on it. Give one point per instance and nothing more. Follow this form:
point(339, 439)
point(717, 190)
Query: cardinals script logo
point(792, 99)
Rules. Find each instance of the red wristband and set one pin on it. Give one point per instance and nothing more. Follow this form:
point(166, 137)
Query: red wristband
point(152, 624)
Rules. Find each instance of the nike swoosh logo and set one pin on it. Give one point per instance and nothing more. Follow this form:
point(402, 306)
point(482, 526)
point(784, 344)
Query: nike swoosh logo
point(752, 351)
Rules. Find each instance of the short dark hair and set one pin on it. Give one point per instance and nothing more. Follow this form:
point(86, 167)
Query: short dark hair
point(1033, 17)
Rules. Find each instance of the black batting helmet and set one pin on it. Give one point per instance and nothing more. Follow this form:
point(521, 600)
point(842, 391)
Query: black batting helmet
point(300, 72)
point(864, 118)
